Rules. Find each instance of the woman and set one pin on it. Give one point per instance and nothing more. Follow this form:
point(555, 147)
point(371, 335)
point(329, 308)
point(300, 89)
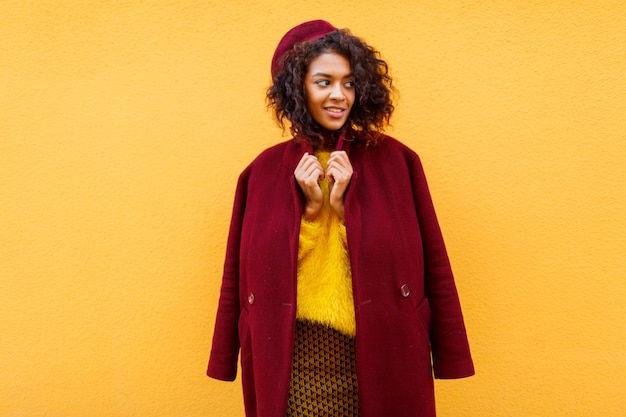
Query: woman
point(337, 288)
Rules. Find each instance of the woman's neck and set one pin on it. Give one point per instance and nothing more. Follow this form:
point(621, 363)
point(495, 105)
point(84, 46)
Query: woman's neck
point(329, 141)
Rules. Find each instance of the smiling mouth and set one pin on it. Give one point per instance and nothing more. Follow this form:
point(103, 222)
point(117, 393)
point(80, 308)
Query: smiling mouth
point(334, 110)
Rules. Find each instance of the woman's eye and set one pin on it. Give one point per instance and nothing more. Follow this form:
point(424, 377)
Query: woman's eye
point(323, 83)
point(350, 84)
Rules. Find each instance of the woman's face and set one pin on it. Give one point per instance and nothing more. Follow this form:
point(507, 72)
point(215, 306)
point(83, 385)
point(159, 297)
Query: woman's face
point(329, 88)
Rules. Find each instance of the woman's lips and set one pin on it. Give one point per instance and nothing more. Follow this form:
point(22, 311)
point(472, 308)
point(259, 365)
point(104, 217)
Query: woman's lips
point(335, 111)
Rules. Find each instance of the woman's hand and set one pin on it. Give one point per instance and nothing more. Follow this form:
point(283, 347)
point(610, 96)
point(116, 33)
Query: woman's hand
point(339, 173)
point(308, 173)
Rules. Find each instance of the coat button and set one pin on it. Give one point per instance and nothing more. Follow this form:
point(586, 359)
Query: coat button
point(405, 290)
point(251, 298)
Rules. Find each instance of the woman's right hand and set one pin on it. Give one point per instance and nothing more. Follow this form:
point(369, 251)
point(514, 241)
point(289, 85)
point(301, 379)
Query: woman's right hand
point(308, 173)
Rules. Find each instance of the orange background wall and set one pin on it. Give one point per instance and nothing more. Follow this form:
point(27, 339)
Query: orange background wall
point(124, 125)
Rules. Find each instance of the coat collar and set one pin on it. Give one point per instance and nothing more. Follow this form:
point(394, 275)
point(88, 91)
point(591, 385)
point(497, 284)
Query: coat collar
point(302, 145)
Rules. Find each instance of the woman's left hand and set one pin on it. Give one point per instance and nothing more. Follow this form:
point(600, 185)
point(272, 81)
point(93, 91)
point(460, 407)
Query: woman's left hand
point(339, 173)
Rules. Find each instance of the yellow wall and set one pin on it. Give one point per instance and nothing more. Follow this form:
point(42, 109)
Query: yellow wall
point(124, 125)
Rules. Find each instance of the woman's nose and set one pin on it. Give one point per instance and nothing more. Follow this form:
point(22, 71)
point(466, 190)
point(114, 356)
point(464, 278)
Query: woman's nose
point(336, 93)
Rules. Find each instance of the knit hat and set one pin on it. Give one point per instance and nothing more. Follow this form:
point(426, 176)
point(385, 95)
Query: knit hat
point(308, 31)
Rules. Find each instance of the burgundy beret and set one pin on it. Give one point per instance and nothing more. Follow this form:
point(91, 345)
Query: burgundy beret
point(307, 31)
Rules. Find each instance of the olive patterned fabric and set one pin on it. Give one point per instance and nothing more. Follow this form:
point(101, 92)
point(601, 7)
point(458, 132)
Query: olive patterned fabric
point(323, 378)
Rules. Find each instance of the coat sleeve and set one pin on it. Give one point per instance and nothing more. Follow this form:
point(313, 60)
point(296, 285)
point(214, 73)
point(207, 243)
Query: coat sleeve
point(450, 348)
point(225, 346)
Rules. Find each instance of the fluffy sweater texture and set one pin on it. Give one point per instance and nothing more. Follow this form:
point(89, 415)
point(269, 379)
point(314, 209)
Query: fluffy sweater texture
point(324, 276)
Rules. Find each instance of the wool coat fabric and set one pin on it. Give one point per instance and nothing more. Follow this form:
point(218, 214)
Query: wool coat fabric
point(409, 324)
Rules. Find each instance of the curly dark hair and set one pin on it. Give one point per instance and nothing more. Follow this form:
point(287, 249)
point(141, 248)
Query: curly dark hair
point(372, 106)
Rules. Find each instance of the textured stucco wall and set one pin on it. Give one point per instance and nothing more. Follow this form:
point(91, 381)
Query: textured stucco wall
point(124, 125)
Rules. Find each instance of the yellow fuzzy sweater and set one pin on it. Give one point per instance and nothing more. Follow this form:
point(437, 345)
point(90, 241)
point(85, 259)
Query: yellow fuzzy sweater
point(324, 276)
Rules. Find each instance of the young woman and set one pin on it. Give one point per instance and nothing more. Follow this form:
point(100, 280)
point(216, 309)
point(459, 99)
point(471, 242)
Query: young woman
point(337, 287)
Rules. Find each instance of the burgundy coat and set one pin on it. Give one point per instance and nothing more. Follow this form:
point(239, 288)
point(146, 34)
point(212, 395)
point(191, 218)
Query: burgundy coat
point(406, 302)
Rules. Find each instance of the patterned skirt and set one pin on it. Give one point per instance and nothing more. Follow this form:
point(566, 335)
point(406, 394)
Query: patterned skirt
point(323, 377)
